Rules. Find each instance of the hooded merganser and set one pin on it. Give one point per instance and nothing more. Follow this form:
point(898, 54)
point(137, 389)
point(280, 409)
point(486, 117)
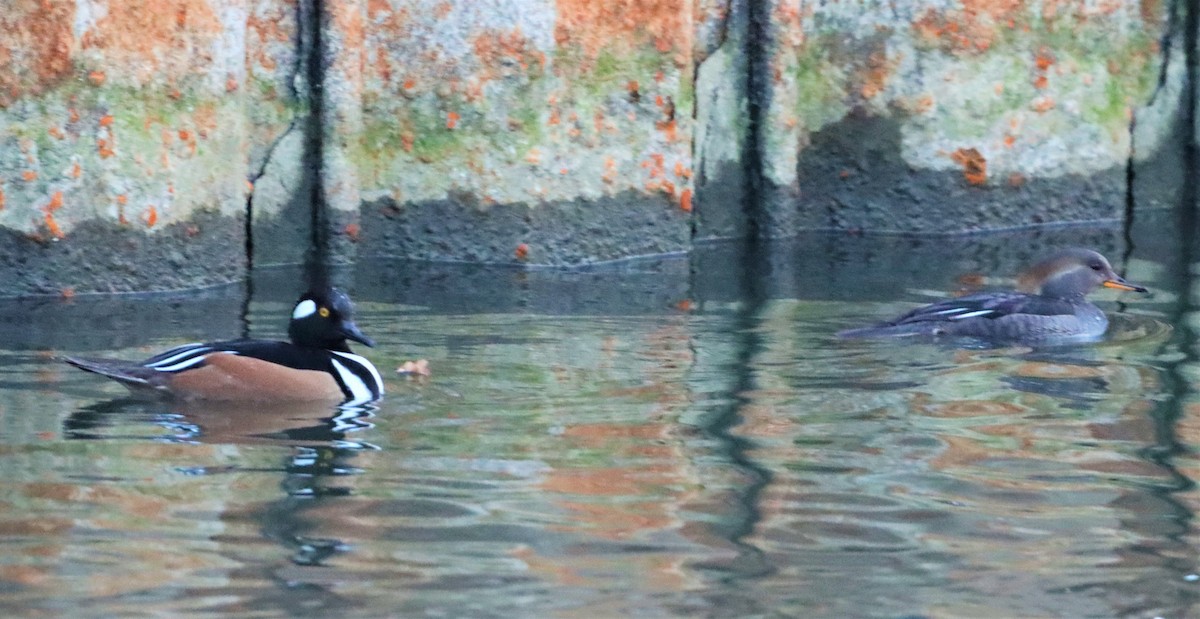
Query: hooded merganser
point(1048, 308)
point(316, 365)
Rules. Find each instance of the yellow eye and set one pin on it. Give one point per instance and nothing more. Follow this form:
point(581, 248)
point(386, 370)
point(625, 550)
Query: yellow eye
point(324, 312)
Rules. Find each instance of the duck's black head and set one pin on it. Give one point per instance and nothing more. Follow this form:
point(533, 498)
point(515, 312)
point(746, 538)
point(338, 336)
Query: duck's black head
point(325, 319)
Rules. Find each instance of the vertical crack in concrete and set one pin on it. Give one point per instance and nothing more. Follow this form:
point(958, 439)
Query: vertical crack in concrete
point(1174, 31)
point(758, 87)
point(313, 20)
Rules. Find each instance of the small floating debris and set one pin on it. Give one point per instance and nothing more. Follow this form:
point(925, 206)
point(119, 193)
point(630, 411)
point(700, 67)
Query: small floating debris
point(420, 367)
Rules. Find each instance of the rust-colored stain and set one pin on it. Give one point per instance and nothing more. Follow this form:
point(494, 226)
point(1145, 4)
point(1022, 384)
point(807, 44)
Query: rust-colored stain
point(151, 216)
point(973, 164)
point(522, 251)
point(104, 148)
point(56, 202)
point(106, 120)
point(624, 25)
point(35, 49)
point(29, 176)
point(452, 120)
point(685, 200)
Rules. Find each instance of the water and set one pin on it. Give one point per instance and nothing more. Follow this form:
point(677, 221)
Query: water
point(660, 439)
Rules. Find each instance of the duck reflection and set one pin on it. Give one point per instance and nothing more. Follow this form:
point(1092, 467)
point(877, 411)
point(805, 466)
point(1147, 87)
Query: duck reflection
point(319, 441)
point(225, 423)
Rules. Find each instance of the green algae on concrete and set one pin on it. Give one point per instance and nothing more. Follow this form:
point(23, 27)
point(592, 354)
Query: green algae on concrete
point(466, 111)
point(997, 96)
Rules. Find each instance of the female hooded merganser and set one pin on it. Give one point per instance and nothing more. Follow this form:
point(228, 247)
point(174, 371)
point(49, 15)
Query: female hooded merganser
point(316, 365)
point(1050, 307)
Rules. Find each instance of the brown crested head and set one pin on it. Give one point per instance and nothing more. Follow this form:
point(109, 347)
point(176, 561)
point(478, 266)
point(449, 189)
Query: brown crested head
point(1072, 273)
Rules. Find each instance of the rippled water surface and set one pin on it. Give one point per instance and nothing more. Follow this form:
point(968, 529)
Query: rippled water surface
point(675, 438)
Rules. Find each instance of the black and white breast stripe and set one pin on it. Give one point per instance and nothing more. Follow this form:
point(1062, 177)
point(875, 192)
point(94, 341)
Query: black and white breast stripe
point(359, 379)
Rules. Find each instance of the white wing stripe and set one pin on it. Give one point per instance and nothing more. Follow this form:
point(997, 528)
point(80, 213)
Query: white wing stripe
point(972, 314)
point(186, 351)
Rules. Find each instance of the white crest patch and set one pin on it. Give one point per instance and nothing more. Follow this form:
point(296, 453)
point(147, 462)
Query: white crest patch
point(304, 308)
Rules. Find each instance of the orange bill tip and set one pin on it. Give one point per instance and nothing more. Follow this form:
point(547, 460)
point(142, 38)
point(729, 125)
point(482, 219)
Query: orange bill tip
point(1112, 283)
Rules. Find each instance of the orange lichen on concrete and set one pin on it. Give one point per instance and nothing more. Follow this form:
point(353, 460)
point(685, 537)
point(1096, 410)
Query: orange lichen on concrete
point(36, 48)
point(973, 164)
point(970, 29)
point(52, 226)
point(685, 200)
point(669, 128)
point(151, 216)
point(452, 120)
point(352, 231)
point(2, 198)
point(106, 120)
point(231, 84)
point(610, 170)
point(1041, 105)
point(499, 51)
point(56, 133)
point(874, 77)
point(171, 37)
point(624, 25)
point(55, 203)
point(522, 251)
point(29, 176)
point(104, 148)
point(122, 199)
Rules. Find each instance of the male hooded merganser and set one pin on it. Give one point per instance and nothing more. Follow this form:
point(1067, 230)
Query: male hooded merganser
point(1050, 307)
point(316, 365)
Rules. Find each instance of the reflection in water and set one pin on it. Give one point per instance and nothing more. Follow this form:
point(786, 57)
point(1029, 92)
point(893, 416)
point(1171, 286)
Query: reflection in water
point(724, 456)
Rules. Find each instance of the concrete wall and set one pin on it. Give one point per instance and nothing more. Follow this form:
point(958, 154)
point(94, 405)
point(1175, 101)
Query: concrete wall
point(175, 143)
